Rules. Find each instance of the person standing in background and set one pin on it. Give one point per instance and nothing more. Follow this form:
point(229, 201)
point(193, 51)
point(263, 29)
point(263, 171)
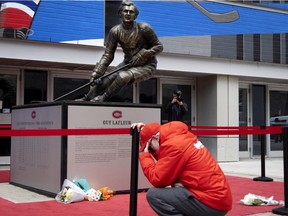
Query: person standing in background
point(176, 108)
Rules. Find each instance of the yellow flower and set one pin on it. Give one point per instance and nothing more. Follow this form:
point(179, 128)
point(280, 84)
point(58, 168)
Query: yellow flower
point(106, 193)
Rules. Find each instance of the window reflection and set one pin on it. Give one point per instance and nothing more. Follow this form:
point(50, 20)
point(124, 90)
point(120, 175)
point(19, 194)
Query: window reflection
point(278, 116)
point(243, 141)
point(35, 86)
point(148, 91)
point(8, 84)
point(63, 86)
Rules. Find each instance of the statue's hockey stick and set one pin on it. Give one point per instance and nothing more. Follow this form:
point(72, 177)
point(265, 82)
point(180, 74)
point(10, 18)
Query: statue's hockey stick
point(216, 17)
point(88, 84)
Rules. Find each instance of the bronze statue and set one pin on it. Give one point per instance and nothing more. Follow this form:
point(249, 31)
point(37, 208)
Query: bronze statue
point(140, 45)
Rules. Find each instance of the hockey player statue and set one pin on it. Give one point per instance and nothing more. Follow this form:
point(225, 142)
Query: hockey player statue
point(140, 46)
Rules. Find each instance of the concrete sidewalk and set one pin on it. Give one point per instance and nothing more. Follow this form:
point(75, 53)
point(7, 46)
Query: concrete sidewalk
point(249, 168)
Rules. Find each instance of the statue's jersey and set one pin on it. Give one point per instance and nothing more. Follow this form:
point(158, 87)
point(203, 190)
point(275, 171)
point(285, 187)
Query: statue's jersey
point(141, 36)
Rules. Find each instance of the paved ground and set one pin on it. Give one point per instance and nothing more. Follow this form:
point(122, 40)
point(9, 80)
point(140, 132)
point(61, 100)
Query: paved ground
point(251, 168)
point(274, 168)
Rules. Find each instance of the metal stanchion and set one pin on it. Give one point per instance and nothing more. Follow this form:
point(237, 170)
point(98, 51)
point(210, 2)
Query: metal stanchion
point(284, 210)
point(263, 152)
point(134, 172)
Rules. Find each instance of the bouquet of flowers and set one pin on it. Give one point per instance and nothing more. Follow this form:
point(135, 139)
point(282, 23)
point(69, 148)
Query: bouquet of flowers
point(105, 193)
point(70, 193)
point(256, 200)
point(97, 195)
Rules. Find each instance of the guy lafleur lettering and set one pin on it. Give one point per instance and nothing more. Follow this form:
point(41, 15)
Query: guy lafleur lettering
point(116, 122)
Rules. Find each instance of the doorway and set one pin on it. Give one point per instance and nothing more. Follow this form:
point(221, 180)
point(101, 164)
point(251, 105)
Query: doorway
point(258, 116)
point(9, 82)
point(187, 89)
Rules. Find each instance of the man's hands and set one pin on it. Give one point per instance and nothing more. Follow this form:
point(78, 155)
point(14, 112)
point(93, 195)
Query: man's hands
point(175, 100)
point(137, 125)
point(141, 58)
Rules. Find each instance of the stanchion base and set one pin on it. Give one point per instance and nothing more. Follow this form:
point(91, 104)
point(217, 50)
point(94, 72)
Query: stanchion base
point(261, 178)
point(280, 211)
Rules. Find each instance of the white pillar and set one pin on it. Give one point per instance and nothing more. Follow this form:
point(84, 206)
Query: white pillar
point(217, 105)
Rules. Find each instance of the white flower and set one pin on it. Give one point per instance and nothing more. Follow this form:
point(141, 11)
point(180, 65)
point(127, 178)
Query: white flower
point(252, 199)
point(248, 199)
point(93, 195)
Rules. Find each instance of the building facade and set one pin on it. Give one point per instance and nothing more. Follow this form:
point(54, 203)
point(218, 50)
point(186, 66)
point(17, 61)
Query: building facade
point(228, 58)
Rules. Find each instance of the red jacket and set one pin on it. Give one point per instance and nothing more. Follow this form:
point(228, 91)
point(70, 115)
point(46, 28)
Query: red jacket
point(183, 159)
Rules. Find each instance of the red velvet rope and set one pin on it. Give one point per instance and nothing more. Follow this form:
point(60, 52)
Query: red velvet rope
point(253, 130)
point(63, 132)
point(5, 126)
point(205, 130)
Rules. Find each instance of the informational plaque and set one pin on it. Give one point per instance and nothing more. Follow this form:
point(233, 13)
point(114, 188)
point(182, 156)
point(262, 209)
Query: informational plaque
point(105, 160)
point(36, 160)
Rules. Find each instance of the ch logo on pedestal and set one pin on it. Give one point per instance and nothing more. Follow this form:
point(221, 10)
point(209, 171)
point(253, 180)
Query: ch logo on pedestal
point(117, 114)
point(33, 114)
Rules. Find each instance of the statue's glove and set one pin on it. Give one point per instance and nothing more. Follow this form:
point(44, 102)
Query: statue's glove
point(141, 58)
point(98, 71)
point(97, 82)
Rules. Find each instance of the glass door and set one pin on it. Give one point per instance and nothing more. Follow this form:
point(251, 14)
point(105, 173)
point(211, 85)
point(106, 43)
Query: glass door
point(243, 121)
point(259, 116)
point(278, 103)
point(185, 91)
point(8, 98)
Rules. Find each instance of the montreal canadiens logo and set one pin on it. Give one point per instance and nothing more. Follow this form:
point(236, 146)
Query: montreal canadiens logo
point(33, 114)
point(117, 114)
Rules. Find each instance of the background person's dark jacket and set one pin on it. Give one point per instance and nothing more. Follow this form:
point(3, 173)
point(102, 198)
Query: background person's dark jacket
point(176, 112)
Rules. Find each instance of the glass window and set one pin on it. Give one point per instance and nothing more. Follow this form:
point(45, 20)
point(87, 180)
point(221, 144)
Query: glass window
point(259, 114)
point(256, 47)
point(278, 116)
point(243, 120)
point(35, 86)
point(276, 48)
point(240, 47)
point(167, 96)
point(148, 91)
point(63, 86)
point(124, 95)
point(286, 48)
point(8, 86)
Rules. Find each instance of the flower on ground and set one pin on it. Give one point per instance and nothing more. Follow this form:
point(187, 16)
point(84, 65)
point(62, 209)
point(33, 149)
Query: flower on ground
point(66, 193)
point(255, 200)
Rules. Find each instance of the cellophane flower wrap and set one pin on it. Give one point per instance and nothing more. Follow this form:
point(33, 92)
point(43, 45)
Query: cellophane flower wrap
point(70, 193)
point(256, 200)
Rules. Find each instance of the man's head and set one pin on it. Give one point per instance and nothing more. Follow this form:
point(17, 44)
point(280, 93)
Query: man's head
point(148, 132)
point(177, 94)
point(128, 11)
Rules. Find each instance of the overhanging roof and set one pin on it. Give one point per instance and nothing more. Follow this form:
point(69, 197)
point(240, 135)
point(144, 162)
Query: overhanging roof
point(47, 55)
